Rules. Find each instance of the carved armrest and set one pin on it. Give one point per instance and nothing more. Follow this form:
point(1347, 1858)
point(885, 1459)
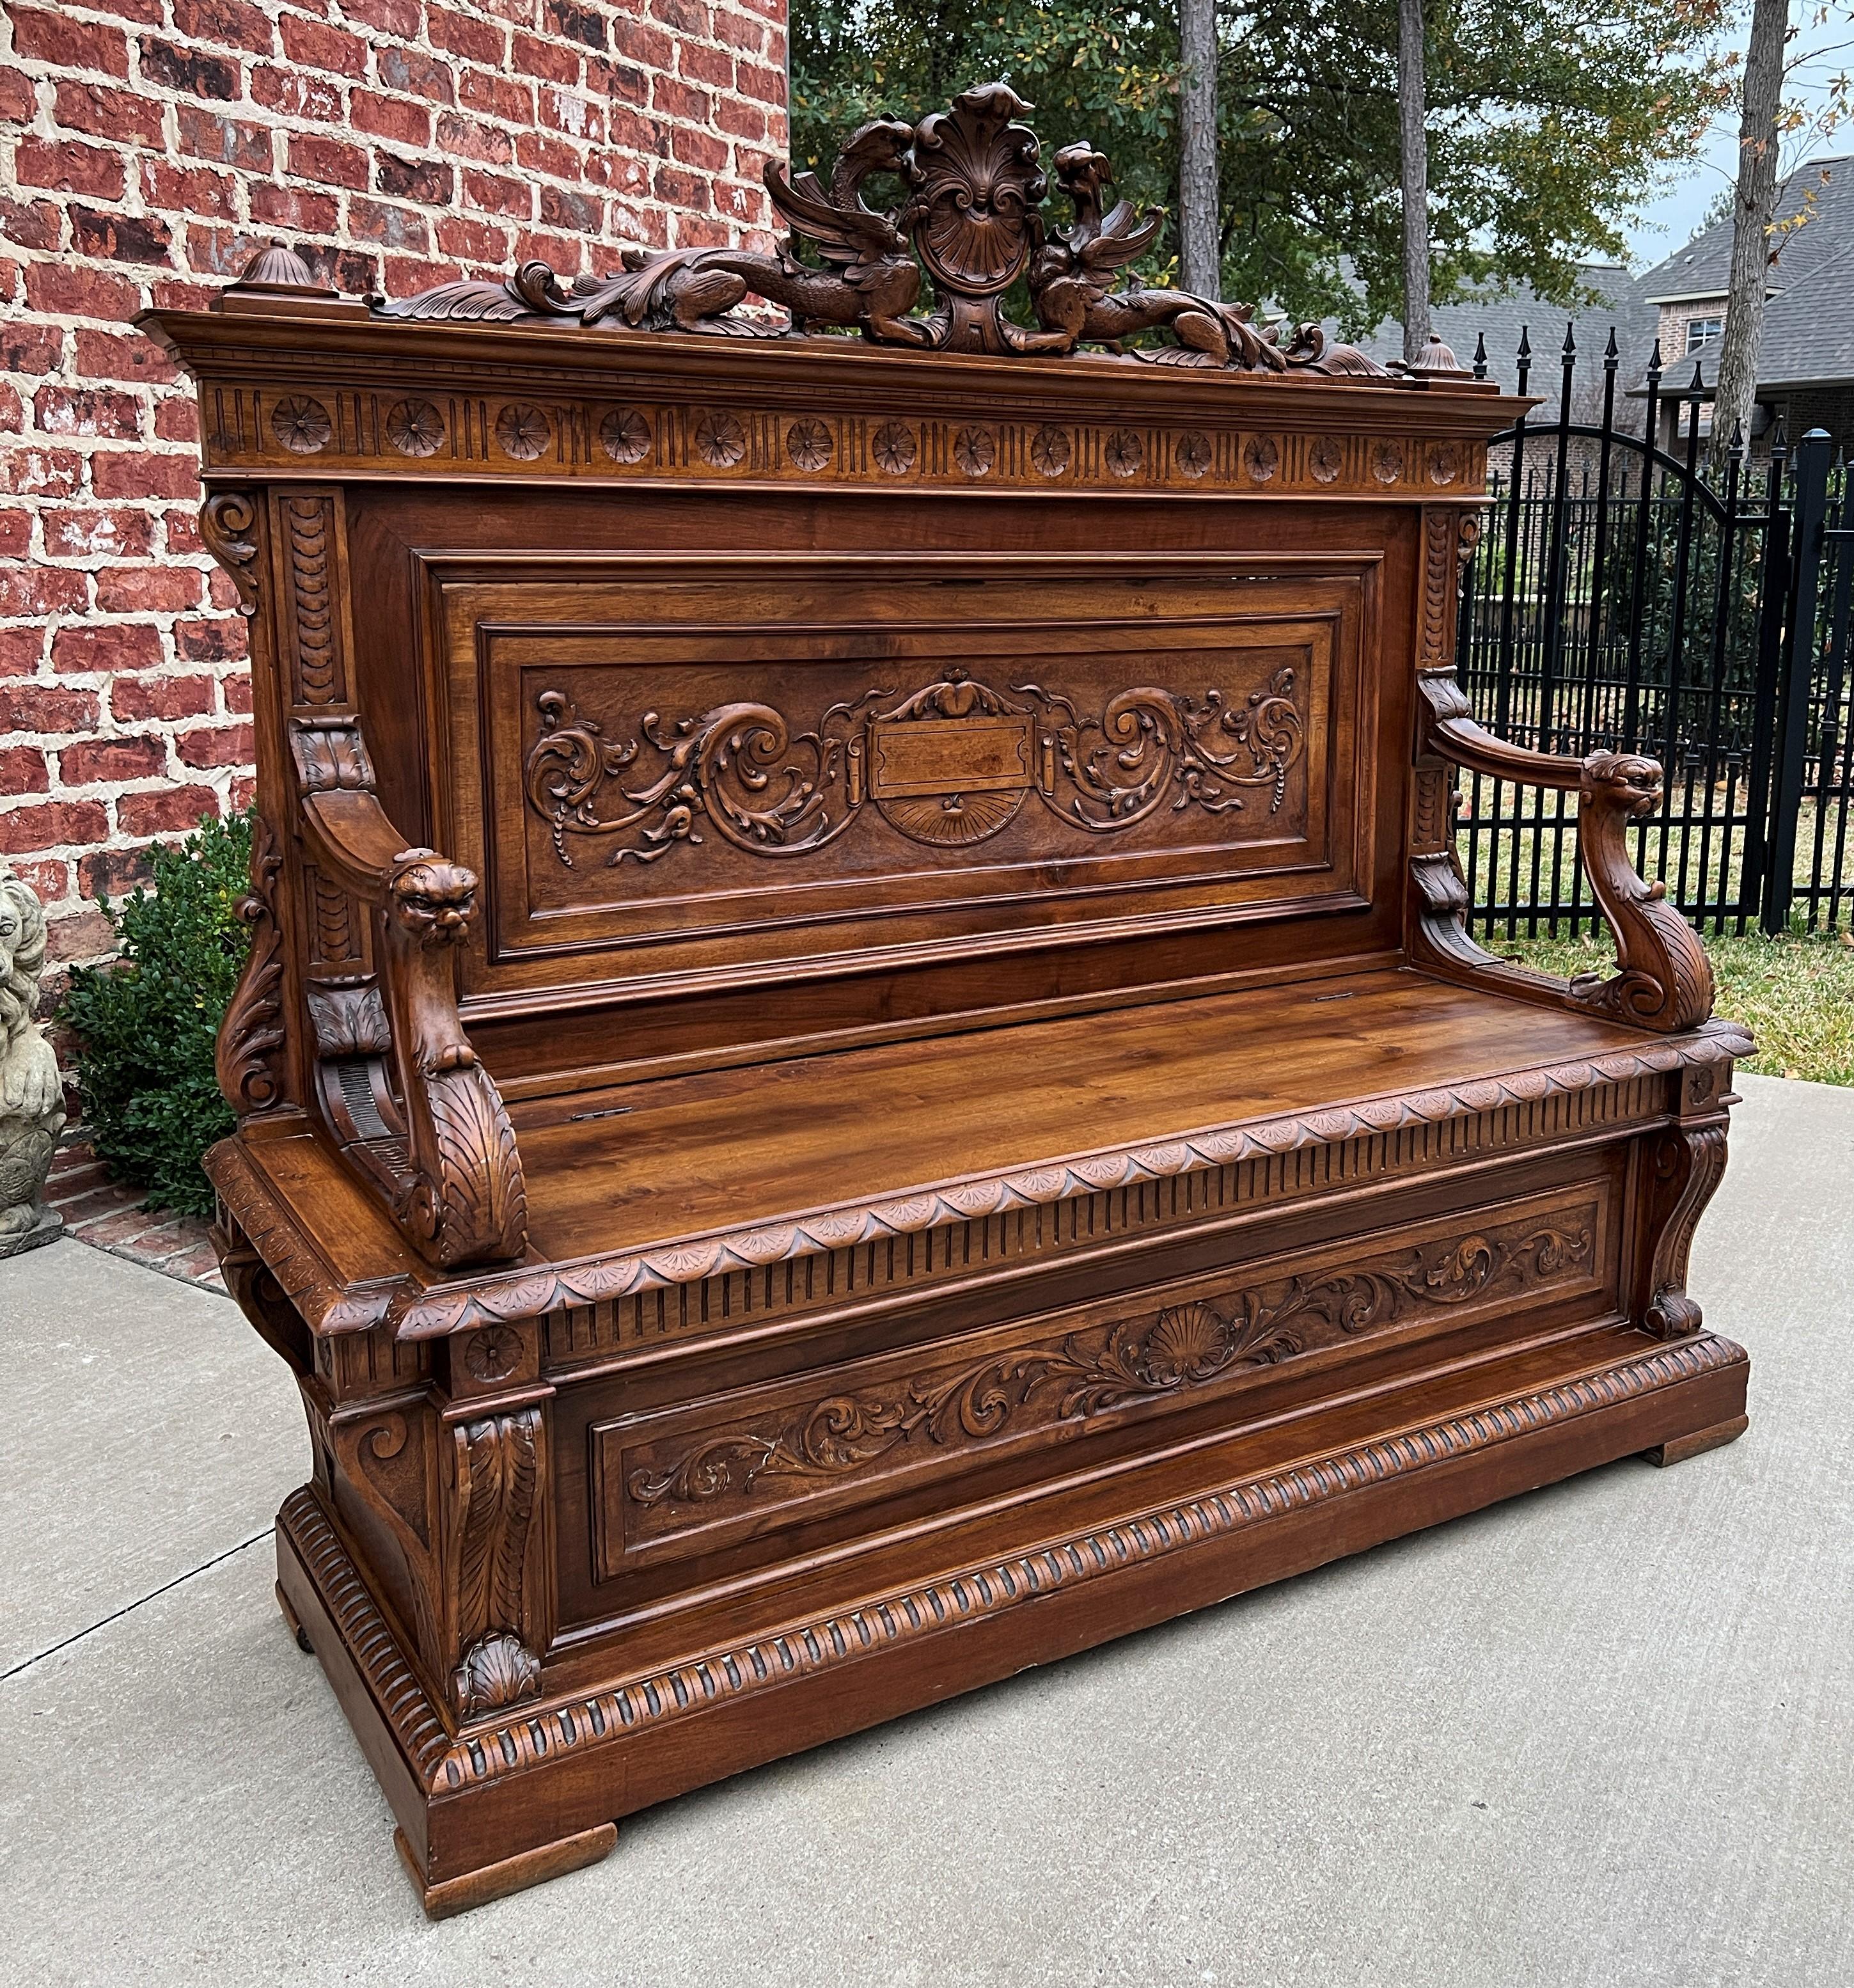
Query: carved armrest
point(454, 1179)
point(1664, 979)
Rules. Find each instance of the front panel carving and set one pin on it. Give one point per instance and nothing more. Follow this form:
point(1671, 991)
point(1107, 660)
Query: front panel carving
point(867, 1430)
point(775, 755)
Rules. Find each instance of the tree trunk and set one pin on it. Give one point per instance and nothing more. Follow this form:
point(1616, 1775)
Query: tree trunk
point(1412, 120)
point(1735, 390)
point(1200, 270)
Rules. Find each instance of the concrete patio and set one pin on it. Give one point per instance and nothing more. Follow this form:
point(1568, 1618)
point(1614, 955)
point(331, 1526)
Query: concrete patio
point(1604, 1734)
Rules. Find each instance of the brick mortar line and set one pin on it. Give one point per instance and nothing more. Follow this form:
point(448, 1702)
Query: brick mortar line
point(398, 142)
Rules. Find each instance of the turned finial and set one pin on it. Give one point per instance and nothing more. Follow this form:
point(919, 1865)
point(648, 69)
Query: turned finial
point(1438, 361)
point(277, 279)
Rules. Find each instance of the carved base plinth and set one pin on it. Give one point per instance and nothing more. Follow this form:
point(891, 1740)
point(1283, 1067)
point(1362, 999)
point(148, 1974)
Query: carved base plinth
point(445, 1900)
point(1680, 1447)
point(525, 1794)
point(47, 1227)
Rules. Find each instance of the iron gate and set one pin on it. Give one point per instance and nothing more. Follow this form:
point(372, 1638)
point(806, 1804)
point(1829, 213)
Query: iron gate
point(1621, 601)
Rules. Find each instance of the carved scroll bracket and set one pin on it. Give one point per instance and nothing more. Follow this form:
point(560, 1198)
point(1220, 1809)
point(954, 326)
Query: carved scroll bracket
point(494, 1560)
point(453, 1178)
point(228, 527)
point(1686, 1166)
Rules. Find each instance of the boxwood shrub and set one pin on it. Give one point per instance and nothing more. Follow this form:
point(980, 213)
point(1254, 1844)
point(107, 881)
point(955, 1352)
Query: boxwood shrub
point(146, 1021)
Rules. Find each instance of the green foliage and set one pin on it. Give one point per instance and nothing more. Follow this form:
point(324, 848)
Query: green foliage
point(1795, 992)
point(146, 1022)
point(1544, 132)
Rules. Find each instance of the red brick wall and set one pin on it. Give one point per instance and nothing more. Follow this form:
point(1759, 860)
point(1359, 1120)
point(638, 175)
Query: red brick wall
point(147, 148)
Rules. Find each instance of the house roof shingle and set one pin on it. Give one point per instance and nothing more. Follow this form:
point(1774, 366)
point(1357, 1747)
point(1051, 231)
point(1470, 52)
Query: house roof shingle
point(1500, 316)
point(1808, 320)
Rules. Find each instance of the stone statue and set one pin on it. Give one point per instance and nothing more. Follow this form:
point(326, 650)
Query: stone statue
point(32, 1098)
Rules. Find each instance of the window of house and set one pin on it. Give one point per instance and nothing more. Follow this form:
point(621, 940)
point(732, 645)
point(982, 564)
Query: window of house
point(1702, 331)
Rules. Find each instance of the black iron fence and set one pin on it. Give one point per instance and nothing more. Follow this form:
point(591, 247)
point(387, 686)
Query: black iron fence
point(1624, 598)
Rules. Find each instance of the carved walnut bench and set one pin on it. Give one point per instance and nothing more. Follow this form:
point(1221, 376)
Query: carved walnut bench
point(860, 1065)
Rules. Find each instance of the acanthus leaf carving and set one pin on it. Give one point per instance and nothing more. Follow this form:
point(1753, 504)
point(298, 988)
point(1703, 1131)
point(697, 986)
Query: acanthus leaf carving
point(973, 192)
point(495, 1461)
point(948, 765)
point(349, 1019)
point(1083, 1375)
point(228, 528)
point(331, 756)
point(247, 1060)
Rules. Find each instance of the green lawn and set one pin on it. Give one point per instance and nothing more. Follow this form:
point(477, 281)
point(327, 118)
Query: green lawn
point(1796, 993)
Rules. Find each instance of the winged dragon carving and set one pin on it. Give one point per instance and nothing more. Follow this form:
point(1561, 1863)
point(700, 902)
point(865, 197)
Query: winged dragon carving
point(968, 218)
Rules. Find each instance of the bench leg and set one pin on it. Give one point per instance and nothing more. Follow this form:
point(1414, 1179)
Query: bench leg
point(1676, 1450)
point(451, 1896)
point(294, 1622)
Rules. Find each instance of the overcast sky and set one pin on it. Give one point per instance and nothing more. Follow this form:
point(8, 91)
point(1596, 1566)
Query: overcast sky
point(1822, 49)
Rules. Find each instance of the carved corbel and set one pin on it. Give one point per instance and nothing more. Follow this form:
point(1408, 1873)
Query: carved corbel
point(452, 1175)
point(494, 1564)
point(247, 1059)
point(386, 1460)
point(1686, 1165)
point(1664, 980)
point(228, 528)
point(256, 1292)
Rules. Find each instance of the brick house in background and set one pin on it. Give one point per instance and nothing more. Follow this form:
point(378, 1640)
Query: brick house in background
point(147, 149)
point(1805, 352)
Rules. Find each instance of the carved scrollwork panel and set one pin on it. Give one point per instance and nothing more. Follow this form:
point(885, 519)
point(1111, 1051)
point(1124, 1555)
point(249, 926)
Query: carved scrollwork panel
point(1069, 1382)
point(950, 764)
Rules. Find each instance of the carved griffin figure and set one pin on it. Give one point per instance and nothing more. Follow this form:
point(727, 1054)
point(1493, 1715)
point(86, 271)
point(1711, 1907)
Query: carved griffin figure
point(968, 215)
point(32, 1096)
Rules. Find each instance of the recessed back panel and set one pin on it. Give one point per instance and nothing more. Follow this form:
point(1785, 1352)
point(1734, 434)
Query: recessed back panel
point(658, 766)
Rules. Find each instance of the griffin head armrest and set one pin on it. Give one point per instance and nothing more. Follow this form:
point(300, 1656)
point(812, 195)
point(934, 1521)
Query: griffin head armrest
point(449, 1167)
point(1664, 979)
